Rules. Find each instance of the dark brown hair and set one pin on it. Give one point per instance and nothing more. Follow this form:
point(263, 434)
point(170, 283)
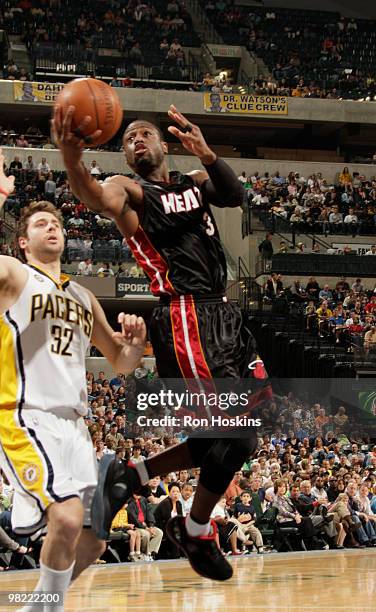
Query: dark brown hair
point(278, 483)
point(27, 213)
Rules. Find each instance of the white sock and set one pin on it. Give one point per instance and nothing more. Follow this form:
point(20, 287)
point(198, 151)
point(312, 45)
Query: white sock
point(142, 472)
point(55, 581)
point(195, 529)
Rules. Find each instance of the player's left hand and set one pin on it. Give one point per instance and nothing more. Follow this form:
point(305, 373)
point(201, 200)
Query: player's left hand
point(192, 138)
point(133, 331)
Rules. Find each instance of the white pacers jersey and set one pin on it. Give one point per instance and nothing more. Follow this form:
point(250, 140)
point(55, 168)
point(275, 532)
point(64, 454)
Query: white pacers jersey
point(44, 337)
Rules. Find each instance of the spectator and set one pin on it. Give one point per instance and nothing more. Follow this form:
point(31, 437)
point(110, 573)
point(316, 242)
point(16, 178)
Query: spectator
point(21, 141)
point(345, 177)
point(357, 287)
point(30, 165)
point(266, 248)
point(273, 286)
point(186, 498)
point(287, 514)
point(242, 178)
point(227, 530)
point(366, 534)
point(136, 455)
point(234, 489)
point(372, 250)
point(324, 315)
point(120, 523)
point(169, 507)
point(48, 144)
point(351, 222)
point(50, 188)
point(370, 341)
point(245, 516)
point(153, 492)
point(326, 294)
point(85, 267)
point(43, 168)
point(135, 54)
point(313, 289)
point(115, 82)
point(15, 165)
point(114, 436)
point(95, 170)
point(105, 271)
point(140, 516)
point(136, 272)
point(321, 420)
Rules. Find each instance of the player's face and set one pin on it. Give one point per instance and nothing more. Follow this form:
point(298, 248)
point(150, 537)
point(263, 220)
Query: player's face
point(144, 150)
point(44, 237)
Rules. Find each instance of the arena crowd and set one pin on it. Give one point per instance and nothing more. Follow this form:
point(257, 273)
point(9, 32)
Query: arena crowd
point(311, 482)
point(313, 204)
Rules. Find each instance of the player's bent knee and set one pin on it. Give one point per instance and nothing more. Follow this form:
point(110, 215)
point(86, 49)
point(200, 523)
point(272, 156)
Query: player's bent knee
point(68, 529)
point(222, 460)
point(65, 519)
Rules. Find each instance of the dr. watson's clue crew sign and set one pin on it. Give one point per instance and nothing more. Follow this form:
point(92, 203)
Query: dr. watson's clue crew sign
point(248, 104)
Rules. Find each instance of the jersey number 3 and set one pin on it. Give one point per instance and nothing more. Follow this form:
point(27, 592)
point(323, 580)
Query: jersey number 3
point(210, 229)
point(62, 337)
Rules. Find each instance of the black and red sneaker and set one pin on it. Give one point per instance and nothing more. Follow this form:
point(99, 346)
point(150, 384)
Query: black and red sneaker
point(117, 481)
point(202, 552)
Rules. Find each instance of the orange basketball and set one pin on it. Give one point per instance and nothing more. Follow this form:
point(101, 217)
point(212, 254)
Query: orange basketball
point(95, 99)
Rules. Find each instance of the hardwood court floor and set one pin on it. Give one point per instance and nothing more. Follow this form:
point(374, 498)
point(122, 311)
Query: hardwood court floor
point(329, 580)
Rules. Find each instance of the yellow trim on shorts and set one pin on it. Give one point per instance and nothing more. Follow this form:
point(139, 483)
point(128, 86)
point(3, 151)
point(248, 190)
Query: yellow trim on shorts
point(8, 368)
point(25, 462)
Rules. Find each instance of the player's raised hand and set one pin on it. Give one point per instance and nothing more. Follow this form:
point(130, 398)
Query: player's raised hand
point(133, 331)
point(190, 136)
point(6, 182)
point(70, 141)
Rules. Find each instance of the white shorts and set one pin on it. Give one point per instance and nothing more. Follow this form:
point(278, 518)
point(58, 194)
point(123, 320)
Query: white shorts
point(47, 458)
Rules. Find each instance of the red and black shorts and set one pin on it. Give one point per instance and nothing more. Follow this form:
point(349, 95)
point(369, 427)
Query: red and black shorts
point(200, 337)
point(203, 337)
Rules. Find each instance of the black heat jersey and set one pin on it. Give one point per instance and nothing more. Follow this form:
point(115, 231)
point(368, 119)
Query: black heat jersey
point(196, 333)
point(177, 243)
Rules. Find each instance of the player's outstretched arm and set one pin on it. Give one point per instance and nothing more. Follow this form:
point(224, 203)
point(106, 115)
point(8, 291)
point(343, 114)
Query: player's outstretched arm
point(12, 276)
point(109, 198)
point(219, 184)
point(122, 349)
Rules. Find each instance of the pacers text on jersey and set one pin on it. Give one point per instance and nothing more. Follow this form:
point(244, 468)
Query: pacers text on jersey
point(55, 306)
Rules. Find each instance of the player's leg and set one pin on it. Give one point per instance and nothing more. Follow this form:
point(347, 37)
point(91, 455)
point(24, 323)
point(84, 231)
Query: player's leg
point(196, 535)
point(58, 553)
point(89, 548)
point(64, 522)
point(224, 457)
point(84, 476)
point(118, 479)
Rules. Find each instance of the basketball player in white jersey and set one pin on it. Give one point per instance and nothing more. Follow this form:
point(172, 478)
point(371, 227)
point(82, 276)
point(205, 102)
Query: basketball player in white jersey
point(46, 325)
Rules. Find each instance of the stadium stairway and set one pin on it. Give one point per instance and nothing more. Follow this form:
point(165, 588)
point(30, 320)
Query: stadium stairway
point(290, 351)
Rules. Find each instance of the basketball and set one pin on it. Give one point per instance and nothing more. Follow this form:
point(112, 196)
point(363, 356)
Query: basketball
point(95, 99)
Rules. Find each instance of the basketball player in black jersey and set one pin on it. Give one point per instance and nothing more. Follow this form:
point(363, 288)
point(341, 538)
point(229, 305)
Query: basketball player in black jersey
point(196, 334)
